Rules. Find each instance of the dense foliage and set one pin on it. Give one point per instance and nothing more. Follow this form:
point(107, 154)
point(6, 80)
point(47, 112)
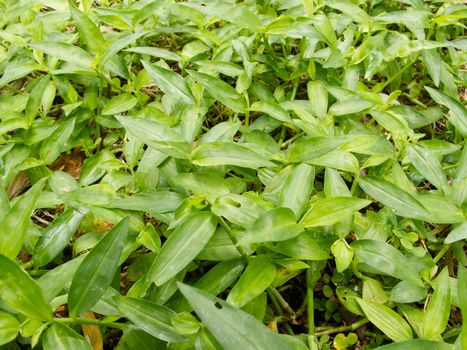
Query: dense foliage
point(283, 174)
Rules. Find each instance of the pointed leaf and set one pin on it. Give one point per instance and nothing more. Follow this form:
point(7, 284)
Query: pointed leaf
point(307, 149)
point(157, 135)
point(19, 291)
point(169, 82)
point(438, 309)
point(232, 328)
point(328, 211)
point(120, 103)
point(458, 114)
point(386, 259)
point(297, 188)
point(9, 328)
point(183, 245)
point(400, 201)
point(59, 336)
point(258, 275)
point(228, 153)
point(89, 33)
point(387, 320)
point(14, 224)
point(150, 317)
point(427, 164)
point(278, 224)
point(221, 91)
point(65, 52)
point(97, 270)
point(56, 236)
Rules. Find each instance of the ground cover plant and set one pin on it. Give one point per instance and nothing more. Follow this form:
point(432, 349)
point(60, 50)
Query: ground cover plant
point(287, 174)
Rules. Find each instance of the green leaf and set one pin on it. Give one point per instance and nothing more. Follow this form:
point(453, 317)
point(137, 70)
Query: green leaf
point(433, 63)
point(59, 336)
point(228, 153)
point(458, 233)
point(343, 254)
point(9, 328)
point(56, 143)
point(35, 99)
point(258, 275)
point(56, 236)
point(441, 209)
point(417, 344)
point(303, 247)
point(328, 211)
point(169, 82)
point(15, 223)
point(120, 103)
point(182, 246)
point(318, 96)
point(153, 202)
point(272, 109)
point(297, 189)
point(157, 135)
point(461, 287)
point(438, 309)
point(89, 33)
point(278, 224)
point(427, 164)
point(232, 328)
point(307, 149)
point(221, 91)
point(20, 292)
point(407, 292)
point(387, 320)
point(65, 52)
point(385, 259)
point(97, 270)
point(350, 105)
point(399, 201)
point(155, 52)
point(150, 317)
point(458, 114)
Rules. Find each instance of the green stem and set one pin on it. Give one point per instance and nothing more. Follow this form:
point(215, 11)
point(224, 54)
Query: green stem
point(351, 327)
point(310, 309)
point(91, 322)
point(441, 253)
point(284, 304)
point(233, 238)
point(278, 308)
point(395, 76)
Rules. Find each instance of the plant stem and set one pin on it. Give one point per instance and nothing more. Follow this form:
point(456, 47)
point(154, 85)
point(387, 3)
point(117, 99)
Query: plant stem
point(284, 304)
point(91, 322)
point(278, 308)
point(351, 327)
point(441, 253)
point(233, 238)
